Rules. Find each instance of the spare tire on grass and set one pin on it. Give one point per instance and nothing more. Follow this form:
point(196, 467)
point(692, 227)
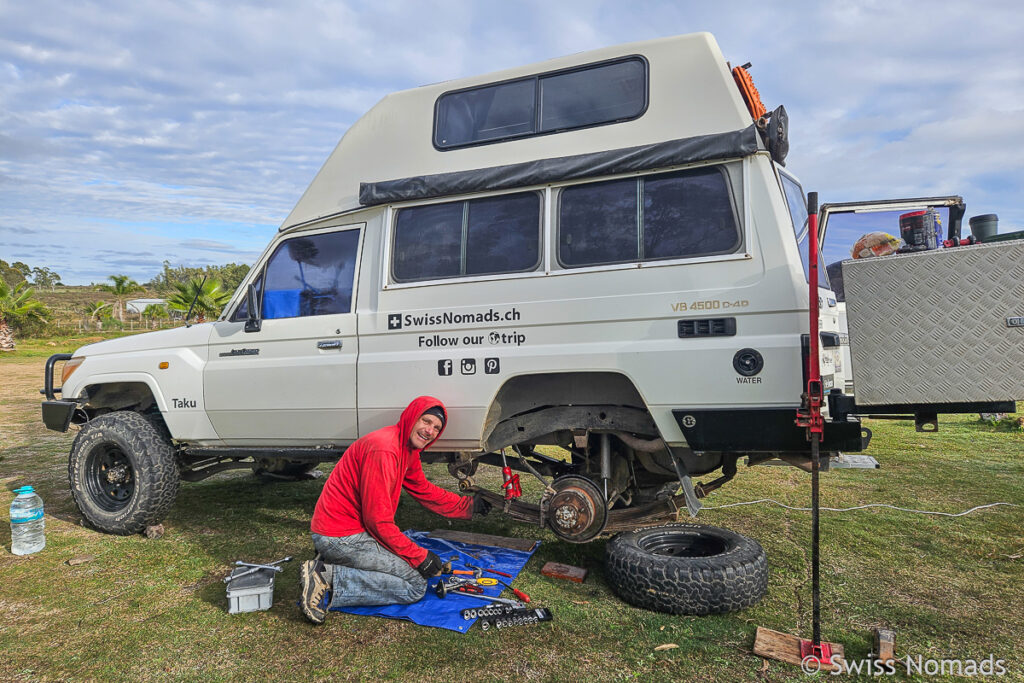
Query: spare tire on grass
point(687, 569)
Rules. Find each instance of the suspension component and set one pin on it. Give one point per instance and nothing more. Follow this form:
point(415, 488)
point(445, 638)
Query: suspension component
point(510, 480)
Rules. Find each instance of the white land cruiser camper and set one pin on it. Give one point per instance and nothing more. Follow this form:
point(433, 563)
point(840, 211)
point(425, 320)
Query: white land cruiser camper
point(601, 252)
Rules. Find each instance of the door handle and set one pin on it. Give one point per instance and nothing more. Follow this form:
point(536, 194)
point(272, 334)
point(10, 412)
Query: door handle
point(329, 344)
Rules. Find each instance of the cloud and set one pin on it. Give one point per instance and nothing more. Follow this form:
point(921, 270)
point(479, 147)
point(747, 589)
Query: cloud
point(158, 125)
point(210, 245)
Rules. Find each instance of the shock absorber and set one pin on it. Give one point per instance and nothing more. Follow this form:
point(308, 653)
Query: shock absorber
point(510, 481)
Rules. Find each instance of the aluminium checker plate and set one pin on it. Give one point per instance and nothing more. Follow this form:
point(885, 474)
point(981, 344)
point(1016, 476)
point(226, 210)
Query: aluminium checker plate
point(937, 326)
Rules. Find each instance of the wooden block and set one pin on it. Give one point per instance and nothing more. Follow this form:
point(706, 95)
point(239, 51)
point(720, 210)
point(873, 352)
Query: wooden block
point(564, 571)
point(523, 544)
point(785, 647)
point(885, 644)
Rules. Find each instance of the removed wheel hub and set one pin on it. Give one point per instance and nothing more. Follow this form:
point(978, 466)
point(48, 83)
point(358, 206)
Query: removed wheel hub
point(577, 512)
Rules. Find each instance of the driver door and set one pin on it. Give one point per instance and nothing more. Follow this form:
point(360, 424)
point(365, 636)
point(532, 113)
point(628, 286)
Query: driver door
point(292, 382)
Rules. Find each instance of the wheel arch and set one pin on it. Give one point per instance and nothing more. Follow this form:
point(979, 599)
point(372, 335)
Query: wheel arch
point(555, 399)
point(124, 391)
point(137, 392)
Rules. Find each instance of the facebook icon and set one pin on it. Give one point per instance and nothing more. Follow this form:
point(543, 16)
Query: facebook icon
point(444, 367)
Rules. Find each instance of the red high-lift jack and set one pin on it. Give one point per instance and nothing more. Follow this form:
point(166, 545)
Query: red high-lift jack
point(811, 654)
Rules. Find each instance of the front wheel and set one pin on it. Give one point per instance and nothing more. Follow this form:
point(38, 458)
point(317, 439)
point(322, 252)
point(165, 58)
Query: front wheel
point(123, 473)
point(687, 569)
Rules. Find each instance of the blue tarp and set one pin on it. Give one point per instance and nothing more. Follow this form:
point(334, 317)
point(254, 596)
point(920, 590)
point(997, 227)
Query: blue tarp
point(432, 610)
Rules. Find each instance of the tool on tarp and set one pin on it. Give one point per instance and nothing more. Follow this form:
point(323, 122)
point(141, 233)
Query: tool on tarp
point(499, 573)
point(449, 585)
point(451, 547)
point(488, 598)
point(470, 570)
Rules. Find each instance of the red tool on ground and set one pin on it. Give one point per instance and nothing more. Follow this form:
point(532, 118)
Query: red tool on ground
point(511, 481)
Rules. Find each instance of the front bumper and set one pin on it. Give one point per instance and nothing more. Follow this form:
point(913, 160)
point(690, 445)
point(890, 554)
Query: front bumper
point(57, 414)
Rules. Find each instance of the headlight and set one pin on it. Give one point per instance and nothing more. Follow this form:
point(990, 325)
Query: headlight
point(70, 367)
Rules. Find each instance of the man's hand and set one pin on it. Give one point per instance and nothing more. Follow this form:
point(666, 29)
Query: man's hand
point(430, 566)
point(480, 505)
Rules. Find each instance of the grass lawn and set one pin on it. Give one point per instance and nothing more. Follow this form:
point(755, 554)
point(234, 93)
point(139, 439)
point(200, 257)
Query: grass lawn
point(951, 588)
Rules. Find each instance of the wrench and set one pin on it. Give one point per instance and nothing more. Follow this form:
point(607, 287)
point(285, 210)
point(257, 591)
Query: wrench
point(260, 566)
point(229, 578)
point(488, 598)
point(449, 545)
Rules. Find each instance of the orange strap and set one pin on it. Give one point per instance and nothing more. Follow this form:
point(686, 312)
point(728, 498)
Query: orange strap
point(749, 92)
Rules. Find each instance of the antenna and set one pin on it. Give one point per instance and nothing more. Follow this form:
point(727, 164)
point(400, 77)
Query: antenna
point(194, 300)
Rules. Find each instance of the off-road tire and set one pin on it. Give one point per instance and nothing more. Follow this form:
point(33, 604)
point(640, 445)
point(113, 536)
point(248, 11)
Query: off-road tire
point(149, 480)
point(687, 569)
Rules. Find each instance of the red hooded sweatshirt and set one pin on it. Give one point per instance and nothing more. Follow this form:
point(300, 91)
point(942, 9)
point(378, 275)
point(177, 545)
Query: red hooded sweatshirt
point(362, 492)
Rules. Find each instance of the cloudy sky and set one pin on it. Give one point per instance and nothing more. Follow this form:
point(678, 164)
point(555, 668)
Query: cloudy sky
point(133, 131)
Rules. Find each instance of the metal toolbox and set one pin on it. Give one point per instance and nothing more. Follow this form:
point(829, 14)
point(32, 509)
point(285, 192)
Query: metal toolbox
point(250, 593)
point(937, 327)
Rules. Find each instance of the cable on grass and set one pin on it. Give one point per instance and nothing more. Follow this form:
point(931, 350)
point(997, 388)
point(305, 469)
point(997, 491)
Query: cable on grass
point(861, 507)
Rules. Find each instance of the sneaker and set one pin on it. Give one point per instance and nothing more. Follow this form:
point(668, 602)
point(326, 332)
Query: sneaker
point(315, 591)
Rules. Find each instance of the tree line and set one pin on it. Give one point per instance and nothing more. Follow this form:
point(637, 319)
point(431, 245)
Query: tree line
point(203, 290)
point(229, 276)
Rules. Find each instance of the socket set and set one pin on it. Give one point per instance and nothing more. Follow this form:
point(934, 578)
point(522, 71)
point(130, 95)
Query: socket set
point(506, 616)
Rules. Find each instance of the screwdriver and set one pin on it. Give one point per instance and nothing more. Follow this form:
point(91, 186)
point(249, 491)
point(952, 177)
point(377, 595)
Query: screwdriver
point(519, 594)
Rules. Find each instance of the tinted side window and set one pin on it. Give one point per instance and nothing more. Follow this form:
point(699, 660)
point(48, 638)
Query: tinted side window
point(497, 111)
point(682, 214)
point(545, 103)
point(474, 237)
point(502, 234)
point(311, 275)
point(688, 214)
point(583, 98)
point(598, 223)
point(428, 242)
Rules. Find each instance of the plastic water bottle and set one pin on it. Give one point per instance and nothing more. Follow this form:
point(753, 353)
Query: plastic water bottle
point(27, 522)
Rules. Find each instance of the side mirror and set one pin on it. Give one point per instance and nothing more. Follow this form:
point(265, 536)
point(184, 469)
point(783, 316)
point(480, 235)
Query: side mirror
point(252, 322)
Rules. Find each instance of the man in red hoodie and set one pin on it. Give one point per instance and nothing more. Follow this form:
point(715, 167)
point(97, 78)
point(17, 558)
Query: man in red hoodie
point(364, 558)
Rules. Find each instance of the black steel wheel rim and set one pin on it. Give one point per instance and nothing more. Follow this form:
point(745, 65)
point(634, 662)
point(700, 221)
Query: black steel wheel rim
point(109, 478)
point(676, 543)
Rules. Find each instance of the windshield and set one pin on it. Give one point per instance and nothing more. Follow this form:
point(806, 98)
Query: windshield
point(798, 213)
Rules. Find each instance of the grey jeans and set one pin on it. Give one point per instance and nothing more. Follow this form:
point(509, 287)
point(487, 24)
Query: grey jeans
point(367, 573)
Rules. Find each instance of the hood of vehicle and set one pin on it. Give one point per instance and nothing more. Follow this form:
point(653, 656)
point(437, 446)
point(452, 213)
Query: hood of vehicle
point(178, 337)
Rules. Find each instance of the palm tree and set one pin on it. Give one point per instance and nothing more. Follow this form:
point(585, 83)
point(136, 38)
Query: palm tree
point(206, 292)
point(95, 311)
point(122, 287)
point(16, 303)
point(155, 312)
